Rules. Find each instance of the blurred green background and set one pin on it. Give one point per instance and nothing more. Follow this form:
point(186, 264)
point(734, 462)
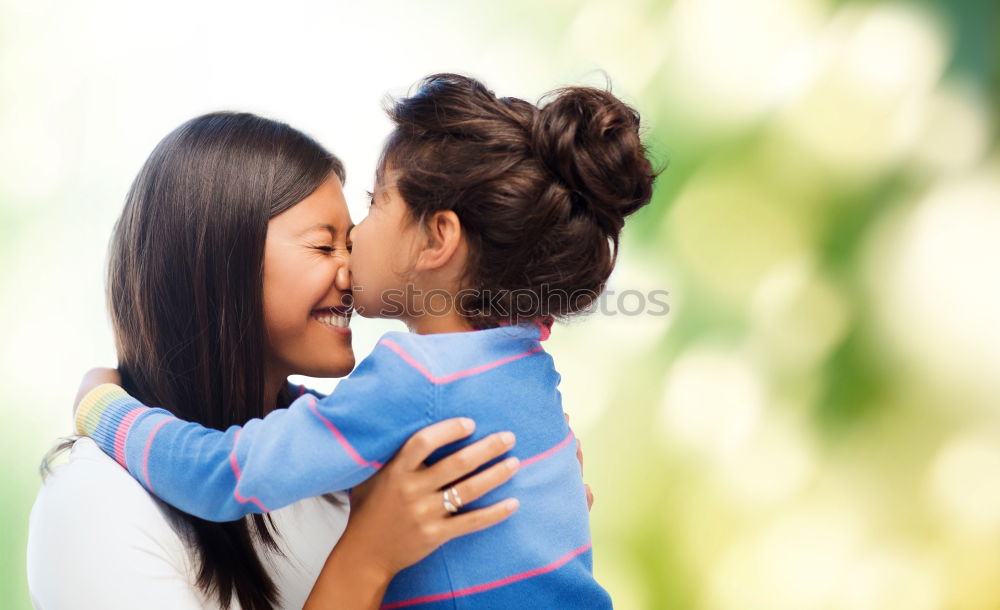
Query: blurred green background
point(816, 422)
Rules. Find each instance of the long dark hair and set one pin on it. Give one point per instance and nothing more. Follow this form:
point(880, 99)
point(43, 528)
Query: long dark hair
point(185, 282)
point(542, 191)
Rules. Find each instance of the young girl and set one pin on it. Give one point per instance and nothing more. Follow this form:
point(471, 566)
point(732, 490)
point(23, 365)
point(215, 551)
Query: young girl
point(490, 215)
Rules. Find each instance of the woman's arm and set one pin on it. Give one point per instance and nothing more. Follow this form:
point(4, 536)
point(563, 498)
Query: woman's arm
point(398, 516)
point(312, 447)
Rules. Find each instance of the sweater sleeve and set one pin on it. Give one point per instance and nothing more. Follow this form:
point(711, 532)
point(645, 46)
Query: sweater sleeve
point(314, 446)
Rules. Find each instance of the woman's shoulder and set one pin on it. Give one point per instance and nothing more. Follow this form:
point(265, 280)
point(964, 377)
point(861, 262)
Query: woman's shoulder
point(95, 532)
point(91, 485)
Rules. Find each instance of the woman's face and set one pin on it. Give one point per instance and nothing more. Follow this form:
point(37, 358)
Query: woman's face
point(307, 286)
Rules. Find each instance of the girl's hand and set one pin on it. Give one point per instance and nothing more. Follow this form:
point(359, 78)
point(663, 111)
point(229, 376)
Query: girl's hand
point(398, 516)
point(94, 378)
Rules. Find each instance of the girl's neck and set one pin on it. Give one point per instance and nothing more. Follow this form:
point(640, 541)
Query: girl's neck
point(432, 324)
point(427, 313)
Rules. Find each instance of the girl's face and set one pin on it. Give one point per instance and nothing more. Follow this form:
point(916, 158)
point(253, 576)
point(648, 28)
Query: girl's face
point(383, 246)
point(307, 286)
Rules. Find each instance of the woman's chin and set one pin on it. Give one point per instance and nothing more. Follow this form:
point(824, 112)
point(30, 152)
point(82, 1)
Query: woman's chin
point(341, 369)
point(327, 368)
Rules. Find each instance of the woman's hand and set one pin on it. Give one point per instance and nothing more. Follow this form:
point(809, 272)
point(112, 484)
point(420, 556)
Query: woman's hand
point(579, 458)
point(94, 378)
point(398, 516)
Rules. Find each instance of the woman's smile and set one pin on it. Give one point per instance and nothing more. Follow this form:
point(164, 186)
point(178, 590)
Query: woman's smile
point(337, 319)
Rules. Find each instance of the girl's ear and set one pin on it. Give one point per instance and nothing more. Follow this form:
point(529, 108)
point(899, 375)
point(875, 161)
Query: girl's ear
point(442, 239)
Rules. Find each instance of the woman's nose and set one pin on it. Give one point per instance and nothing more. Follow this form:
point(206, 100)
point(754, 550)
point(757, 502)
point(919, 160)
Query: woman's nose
point(343, 279)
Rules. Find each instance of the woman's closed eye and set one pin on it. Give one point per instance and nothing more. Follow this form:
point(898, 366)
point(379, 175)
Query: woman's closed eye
point(328, 249)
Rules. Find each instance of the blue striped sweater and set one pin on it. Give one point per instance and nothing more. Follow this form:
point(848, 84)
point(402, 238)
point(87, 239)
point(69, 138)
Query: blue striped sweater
point(502, 378)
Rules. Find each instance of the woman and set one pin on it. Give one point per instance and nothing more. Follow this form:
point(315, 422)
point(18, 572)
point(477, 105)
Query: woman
point(228, 272)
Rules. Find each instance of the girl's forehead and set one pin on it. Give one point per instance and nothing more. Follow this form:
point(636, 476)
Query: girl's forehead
point(387, 178)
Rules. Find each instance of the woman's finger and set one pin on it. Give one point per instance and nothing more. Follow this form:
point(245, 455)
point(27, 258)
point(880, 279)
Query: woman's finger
point(476, 520)
point(467, 459)
point(427, 440)
point(477, 486)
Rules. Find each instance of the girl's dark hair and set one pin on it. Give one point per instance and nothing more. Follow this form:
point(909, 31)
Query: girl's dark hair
point(542, 191)
point(185, 283)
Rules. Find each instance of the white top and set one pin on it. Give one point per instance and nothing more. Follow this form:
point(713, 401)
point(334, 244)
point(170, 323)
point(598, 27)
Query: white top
point(97, 539)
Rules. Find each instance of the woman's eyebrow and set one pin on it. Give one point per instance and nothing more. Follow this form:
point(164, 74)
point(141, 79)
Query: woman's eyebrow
point(326, 227)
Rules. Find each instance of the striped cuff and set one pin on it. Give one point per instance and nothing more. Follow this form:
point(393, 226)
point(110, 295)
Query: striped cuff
point(100, 414)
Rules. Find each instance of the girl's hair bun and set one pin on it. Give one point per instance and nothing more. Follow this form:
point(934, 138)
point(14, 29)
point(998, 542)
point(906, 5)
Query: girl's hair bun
point(589, 140)
point(542, 191)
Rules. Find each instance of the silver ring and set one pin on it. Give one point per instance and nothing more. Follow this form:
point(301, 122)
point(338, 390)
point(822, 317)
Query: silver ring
point(455, 498)
point(451, 500)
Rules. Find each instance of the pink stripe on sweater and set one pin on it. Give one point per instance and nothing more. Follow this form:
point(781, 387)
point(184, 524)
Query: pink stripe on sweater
point(243, 500)
point(548, 452)
point(558, 563)
point(234, 463)
point(544, 327)
point(232, 457)
point(344, 443)
point(453, 376)
point(145, 452)
point(121, 434)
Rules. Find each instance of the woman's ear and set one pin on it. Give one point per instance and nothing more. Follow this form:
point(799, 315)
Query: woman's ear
point(442, 240)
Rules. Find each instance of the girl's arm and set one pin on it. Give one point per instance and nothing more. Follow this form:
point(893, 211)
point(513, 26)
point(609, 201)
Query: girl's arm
point(398, 517)
point(313, 447)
